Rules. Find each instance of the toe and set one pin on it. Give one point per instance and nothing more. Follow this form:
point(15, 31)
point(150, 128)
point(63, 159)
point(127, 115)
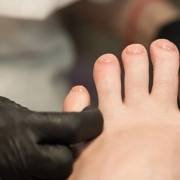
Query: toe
point(136, 65)
point(77, 99)
point(108, 83)
point(165, 59)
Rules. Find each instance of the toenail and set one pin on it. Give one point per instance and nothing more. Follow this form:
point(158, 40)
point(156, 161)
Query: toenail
point(165, 44)
point(106, 59)
point(135, 49)
point(78, 89)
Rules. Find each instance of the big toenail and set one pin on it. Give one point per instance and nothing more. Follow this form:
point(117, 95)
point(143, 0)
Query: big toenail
point(135, 49)
point(165, 44)
point(78, 89)
point(106, 59)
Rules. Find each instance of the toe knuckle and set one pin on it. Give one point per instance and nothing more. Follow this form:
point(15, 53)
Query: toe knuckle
point(166, 81)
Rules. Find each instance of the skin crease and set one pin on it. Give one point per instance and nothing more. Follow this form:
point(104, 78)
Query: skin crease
point(141, 137)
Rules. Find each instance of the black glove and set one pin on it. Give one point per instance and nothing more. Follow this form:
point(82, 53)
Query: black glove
point(36, 146)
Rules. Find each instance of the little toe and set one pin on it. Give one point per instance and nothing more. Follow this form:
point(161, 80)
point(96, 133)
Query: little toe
point(136, 65)
point(165, 59)
point(77, 99)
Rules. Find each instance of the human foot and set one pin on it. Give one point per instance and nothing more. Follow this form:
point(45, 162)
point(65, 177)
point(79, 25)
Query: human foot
point(77, 99)
point(141, 137)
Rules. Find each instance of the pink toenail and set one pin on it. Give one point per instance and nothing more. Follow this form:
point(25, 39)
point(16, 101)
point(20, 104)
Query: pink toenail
point(165, 44)
point(135, 49)
point(106, 59)
point(78, 89)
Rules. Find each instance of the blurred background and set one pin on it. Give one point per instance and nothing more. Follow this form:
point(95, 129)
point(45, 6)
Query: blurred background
point(91, 42)
point(47, 47)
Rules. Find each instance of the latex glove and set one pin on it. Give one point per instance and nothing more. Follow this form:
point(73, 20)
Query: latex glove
point(36, 146)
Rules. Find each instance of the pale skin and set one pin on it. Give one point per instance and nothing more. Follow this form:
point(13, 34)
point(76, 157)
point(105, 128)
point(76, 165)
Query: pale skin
point(141, 137)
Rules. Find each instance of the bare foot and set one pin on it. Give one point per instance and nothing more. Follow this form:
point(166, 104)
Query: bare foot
point(141, 137)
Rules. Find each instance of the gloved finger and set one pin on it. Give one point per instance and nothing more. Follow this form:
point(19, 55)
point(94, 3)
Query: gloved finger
point(69, 128)
point(50, 163)
point(10, 104)
point(15, 176)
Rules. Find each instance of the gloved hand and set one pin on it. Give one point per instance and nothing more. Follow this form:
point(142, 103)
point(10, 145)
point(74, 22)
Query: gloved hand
point(36, 146)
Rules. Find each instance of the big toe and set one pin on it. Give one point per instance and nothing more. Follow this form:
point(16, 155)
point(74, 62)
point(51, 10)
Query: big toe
point(165, 58)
